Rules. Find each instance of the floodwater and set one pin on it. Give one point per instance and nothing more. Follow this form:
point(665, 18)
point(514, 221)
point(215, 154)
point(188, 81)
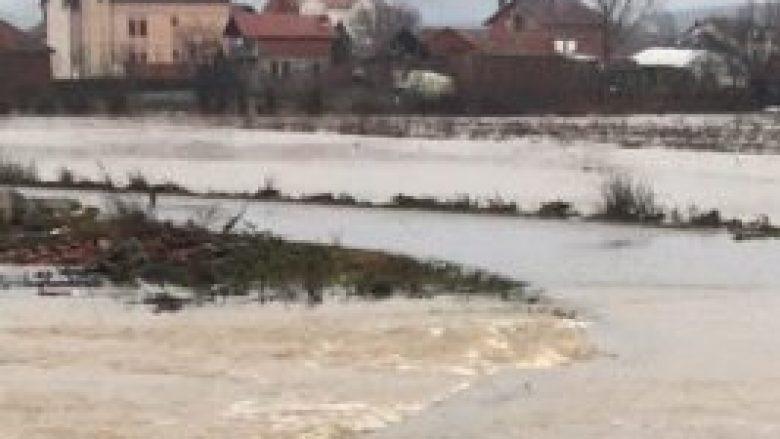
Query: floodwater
point(203, 155)
point(686, 321)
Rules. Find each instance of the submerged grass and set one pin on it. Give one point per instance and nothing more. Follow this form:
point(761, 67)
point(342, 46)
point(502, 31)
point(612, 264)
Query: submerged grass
point(226, 261)
point(624, 199)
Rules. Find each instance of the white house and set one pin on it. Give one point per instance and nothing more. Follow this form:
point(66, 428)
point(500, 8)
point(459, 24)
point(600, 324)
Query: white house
point(347, 12)
point(704, 65)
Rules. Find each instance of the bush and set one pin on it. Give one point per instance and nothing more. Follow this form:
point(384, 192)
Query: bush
point(710, 218)
point(137, 182)
point(269, 190)
point(624, 199)
point(17, 174)
point(66, 177)
point(556, 209)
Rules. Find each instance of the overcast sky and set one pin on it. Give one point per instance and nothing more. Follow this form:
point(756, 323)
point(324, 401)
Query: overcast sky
point(25, 12)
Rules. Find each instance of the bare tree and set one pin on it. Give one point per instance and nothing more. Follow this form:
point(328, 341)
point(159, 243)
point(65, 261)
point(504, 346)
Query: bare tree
point(374, 28)
point(620, 19)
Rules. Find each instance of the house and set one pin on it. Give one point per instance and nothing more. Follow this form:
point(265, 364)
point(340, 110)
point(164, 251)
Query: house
point(546, 27)
point(450, 41)
point(747, 46)
point(24, 66)
point(280, 47)
point(346, 12)
point(530, 54)
point(110, 38)
point(664, 67)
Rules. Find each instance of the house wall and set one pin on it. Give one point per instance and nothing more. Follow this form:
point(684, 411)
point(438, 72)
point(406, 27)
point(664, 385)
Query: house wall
point(61, 24)
point(447, 43)
point(539, 38)
point(94, 40)
point(24, 74)
point(289, 64)
point(174, 31)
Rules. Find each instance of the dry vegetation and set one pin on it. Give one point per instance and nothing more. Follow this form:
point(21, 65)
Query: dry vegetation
point(747, 134)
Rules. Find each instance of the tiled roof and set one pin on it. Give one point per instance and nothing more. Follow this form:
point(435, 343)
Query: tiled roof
point(13, 39)
point(339, 4)
point(551, 12)
point(281, 7)
point(475, 37)
point(279, 26)
point(173, 1)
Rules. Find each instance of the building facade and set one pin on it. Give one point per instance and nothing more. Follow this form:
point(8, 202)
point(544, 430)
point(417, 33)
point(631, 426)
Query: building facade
point(282, 50)
point(545, 27)
point(109, 38)
point(24, 66)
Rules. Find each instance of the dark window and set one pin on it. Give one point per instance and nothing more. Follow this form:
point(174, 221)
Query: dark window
point(174, 21)
point(142, 28)
point(285, 69)
point(131, 28)
point(274, 69)
point(518, 23)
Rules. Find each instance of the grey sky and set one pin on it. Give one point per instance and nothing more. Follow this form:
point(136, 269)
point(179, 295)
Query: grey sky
point(25, 12)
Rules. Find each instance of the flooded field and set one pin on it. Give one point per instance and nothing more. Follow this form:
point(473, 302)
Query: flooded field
point(683, 323)
point(530, 170)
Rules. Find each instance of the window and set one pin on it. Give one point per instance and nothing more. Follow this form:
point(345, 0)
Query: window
point(174, 21)
point(566, 47)
point(274, 69)
point(285, 69)
point(176, 55)
point(137, 57)
point(518, 23)
point(137, 27)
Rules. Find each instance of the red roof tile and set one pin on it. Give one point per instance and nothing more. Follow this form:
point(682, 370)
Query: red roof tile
point(339, 4)
point(281, 7)
point(553, 12)
point(13, 39)
point(280, 26)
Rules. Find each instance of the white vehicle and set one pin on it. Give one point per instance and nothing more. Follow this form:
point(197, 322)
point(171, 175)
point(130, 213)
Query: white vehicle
point(427, 84)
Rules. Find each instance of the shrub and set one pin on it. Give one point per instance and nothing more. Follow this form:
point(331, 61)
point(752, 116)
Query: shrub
point(66, 177)
point(269, 190)
point(14, 173)
point(556, 209)
point(710, 218)
point(624, 199)
point(137, 182)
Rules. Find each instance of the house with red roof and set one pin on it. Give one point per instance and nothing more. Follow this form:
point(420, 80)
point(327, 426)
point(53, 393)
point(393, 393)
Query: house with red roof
point(526, 27)
point(24, 66)
point(544, 27)
point(279, 46)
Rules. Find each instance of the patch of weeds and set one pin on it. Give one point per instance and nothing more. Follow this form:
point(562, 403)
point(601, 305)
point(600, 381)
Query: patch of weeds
point(627, 200)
